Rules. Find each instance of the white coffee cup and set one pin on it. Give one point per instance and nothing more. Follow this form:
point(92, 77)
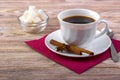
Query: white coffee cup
point(80, 34)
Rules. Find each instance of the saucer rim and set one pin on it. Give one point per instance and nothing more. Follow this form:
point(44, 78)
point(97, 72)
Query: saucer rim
point(73, 55)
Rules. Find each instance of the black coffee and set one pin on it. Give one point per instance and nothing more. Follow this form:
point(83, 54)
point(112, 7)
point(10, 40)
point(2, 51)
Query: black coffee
point(79, 19)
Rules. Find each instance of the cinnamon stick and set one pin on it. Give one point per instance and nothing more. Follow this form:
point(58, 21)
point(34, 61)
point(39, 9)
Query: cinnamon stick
point(70, 48)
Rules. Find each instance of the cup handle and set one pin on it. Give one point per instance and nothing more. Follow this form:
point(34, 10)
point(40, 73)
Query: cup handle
point(105, 30)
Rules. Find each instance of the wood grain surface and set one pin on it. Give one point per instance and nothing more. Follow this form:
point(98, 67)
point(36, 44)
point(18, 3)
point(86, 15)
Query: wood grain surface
point(19, 62)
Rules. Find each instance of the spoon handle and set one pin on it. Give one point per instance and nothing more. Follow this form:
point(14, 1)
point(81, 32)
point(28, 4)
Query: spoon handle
point(114, 55)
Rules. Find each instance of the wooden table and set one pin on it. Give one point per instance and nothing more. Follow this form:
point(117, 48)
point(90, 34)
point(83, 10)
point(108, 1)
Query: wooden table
point(19, 62)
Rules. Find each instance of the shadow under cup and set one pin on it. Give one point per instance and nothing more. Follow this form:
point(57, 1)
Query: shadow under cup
point(80, 34)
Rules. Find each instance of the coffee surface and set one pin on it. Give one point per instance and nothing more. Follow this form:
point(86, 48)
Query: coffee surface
point(79, 19)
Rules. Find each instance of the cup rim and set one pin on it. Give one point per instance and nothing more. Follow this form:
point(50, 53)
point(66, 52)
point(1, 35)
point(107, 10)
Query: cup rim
point(58, 16)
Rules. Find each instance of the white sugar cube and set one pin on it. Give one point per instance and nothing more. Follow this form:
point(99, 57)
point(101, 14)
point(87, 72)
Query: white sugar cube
point(31, 8)
point(36, 20)
point(32, 15)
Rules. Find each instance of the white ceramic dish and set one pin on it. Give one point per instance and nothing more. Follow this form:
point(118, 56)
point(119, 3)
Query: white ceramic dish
point(98, 45)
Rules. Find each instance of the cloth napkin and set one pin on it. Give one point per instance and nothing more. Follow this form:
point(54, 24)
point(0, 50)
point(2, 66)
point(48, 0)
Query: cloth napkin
point(78, 65)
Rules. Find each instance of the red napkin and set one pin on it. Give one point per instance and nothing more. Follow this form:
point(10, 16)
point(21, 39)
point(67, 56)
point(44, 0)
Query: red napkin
point(78, 65)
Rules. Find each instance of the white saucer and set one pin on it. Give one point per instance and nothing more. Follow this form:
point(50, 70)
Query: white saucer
point(98, 45)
